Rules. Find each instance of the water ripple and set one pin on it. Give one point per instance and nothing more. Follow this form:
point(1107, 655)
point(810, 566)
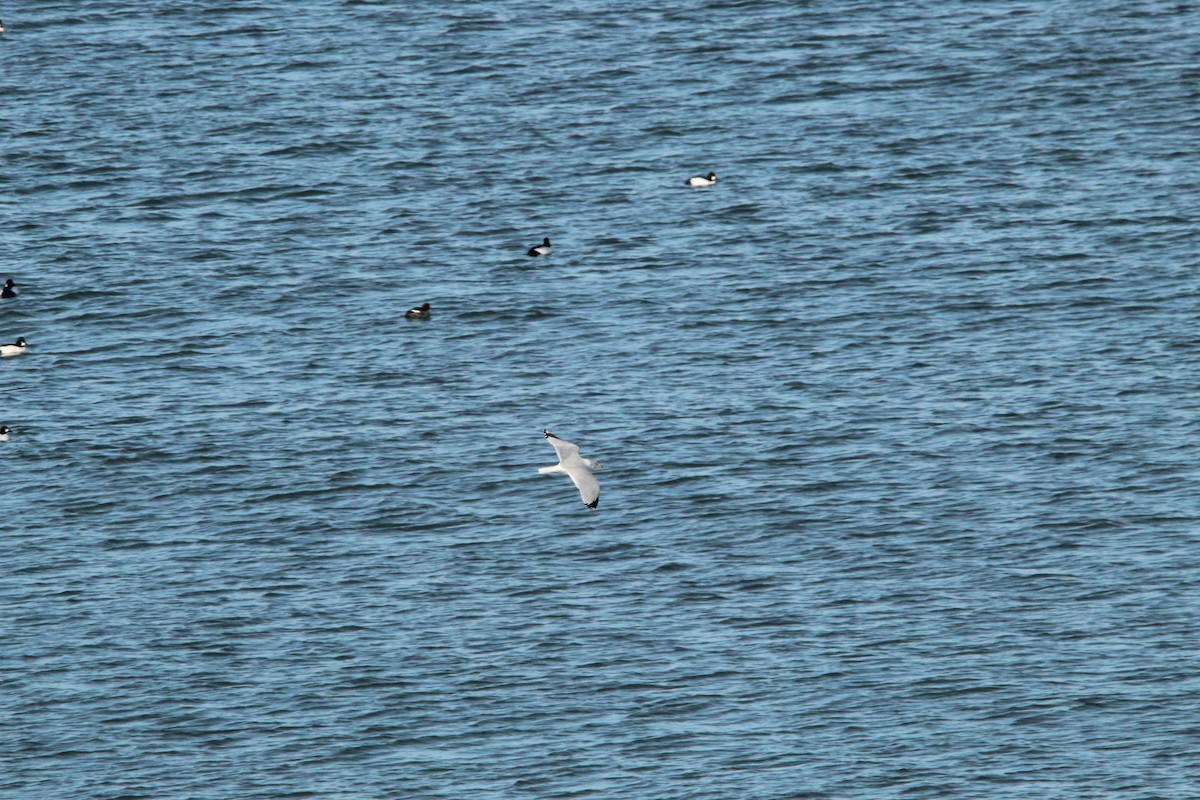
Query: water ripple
point(898, 419)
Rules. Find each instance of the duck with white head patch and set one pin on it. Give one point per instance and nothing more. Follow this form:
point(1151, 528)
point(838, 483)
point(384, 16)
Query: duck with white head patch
point(14, 349)
point(4, 431)
point(9, 289)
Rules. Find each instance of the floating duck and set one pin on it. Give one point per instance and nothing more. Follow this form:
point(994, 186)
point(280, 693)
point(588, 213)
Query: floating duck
point(420, 312)
point(14, 349)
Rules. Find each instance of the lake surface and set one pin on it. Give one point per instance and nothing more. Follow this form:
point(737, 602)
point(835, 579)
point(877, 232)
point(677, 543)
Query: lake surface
point(900, 419)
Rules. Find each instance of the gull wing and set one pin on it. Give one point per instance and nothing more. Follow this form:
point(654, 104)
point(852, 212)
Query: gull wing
point(565, 450)
point(585, 482)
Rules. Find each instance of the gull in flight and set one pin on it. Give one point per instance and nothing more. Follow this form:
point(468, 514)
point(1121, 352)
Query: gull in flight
point(580, 469)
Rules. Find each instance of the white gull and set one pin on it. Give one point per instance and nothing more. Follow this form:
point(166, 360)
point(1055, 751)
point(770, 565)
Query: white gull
point(579, 469)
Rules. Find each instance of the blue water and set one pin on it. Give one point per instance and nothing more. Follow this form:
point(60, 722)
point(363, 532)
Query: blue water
point(899, 419)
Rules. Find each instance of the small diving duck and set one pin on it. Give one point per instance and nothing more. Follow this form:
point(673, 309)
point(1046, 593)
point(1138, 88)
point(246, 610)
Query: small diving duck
point(1, 26)
point(13, 349)
point(4, 429)
point(8, 290)
point(420, 312)
point(542, 249)
point(702, 180)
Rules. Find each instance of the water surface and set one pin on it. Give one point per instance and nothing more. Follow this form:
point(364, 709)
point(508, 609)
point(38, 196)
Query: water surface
point(899, 419)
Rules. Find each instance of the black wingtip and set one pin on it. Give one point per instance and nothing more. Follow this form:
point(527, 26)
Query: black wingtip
point(593, 504)
point(548, 434)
